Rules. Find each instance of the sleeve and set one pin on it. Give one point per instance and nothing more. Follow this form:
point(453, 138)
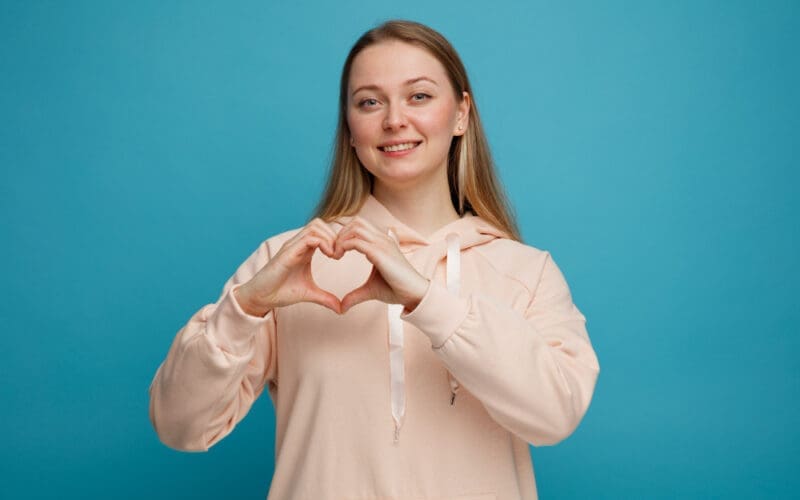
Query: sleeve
point(534, 372)
point(216, 367)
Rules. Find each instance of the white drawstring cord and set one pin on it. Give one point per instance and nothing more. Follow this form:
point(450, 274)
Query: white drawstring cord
point(453, 284)
point(396, 361)
point(396, 365)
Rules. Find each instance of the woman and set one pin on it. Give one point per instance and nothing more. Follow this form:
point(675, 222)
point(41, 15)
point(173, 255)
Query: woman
point(453, 346)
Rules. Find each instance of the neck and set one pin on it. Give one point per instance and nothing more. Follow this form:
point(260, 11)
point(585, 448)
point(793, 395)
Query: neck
point(424, 208)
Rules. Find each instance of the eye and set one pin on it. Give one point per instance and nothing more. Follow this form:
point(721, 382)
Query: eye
point(367, 103)
point(420, 96)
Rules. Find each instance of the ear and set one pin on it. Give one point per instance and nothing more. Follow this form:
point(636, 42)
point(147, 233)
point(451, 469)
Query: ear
point(462, 119)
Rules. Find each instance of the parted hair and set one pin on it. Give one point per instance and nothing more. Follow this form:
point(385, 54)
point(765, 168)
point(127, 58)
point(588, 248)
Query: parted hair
point(474, 185)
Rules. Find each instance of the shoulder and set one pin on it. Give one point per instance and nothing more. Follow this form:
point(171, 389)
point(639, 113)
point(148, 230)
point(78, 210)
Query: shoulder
point(262, 254)
point(516, 260)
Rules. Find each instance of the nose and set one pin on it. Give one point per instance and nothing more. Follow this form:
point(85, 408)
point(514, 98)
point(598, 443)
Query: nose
point(395, 117)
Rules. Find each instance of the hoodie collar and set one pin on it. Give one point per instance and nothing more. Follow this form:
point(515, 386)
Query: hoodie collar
point(470, 229)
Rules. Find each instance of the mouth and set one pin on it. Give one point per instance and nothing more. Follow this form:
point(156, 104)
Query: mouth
point(396, 148)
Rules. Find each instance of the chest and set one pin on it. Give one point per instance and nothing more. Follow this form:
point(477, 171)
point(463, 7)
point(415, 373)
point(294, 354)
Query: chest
point(347, 356)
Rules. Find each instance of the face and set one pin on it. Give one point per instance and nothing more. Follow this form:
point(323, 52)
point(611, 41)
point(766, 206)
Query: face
point(403, 113)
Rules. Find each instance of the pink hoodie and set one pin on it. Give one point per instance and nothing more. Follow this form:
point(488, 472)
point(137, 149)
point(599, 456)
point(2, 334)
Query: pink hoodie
point(439, 403)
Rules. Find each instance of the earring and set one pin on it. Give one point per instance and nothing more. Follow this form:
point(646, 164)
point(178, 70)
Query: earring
point(460, 127)
point(352, 143)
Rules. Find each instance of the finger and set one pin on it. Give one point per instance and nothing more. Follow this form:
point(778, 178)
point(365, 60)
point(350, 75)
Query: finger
point(289, 244)
point(302, 250)
point(323, 298)
point(342, 223)
point(356, 223)
point(344, 234)
point(365, 233)
point(318, 229)
point(327, 242)
point(358, 244)
point(367, 224)
point(326, 246)
point(327, 237)
point(353, 232)
point(323, 228)
point(369, 233)
point(357, 296)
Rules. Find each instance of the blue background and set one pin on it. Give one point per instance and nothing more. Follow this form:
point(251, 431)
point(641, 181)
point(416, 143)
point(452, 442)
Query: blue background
point(148, 147)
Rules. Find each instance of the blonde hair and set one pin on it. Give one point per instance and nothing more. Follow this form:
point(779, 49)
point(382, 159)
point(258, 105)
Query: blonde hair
point(474, 185)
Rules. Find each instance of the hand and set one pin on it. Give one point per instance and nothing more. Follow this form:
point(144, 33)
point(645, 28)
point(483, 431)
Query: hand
point(286, 279)
point(393, 279)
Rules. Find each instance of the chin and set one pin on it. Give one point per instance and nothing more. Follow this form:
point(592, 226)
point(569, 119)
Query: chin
point(402, 177)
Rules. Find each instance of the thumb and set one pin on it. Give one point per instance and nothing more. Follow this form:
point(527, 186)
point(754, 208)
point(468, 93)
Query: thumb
point(323, 298)
point(357, 296)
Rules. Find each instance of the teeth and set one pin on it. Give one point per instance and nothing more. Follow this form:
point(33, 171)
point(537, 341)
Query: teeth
point(399, 147)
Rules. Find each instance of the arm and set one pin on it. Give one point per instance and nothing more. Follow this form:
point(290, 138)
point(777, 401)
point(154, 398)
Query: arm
point(534, 372)
point(218, 364)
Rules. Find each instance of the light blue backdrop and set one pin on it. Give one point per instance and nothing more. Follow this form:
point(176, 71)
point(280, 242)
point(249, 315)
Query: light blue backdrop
point(148, 147)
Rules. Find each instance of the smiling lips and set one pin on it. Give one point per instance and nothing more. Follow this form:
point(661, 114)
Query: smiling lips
point(396, 148)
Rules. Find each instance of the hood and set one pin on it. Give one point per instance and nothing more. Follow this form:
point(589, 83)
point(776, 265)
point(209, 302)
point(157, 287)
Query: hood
point(424, 253)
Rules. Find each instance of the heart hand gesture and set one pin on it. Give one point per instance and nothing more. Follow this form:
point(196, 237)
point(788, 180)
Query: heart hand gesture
point(286, 279)
point(393, 279)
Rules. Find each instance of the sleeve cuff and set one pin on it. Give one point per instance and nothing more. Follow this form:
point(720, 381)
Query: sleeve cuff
point(438, 314)
point(230, 326)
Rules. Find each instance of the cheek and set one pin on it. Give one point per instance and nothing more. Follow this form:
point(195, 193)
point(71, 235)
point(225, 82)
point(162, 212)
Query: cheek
point(361, 131)
point(437, 122)
point(360, 128)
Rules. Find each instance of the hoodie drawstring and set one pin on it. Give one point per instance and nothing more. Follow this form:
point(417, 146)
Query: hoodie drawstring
point(396, 363)
point(453, 285)
point(396, 367)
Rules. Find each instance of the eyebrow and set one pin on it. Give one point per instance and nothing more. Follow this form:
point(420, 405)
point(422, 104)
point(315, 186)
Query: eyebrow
point(407, 82)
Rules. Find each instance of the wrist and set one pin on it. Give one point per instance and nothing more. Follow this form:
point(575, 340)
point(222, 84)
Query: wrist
point(417, 295)
point(248, 305)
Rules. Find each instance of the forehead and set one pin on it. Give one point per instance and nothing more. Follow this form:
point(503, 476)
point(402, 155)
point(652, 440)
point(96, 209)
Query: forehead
point(391, 63)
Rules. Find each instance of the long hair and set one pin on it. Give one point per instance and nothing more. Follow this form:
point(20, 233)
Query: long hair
point(474, 185)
